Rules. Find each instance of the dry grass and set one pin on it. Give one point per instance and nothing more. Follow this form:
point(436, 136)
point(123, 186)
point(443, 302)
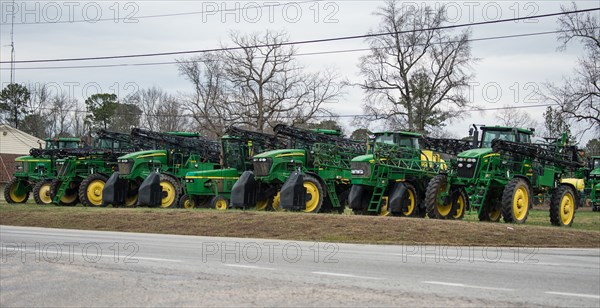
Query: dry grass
point(320, 227)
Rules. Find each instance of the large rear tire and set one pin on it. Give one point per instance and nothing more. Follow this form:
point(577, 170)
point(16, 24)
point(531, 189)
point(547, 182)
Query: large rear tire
point(11, 195)
point(436, 186)
point(170, 192)
point(41, 192)
point(90, 190)
point(562, 206)
point(516, 201)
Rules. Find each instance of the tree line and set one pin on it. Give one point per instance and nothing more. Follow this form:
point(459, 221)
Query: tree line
point(412, 79)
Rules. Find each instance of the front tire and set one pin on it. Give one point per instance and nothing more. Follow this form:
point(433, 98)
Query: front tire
point(187, 202)
point(460, 203)
point(314, 194)
point(170, 192)
point(11, 195)
point(90, 190)
point(516, 201)
point(436, 186)
point(41, 192)
point(70, 197)
point(562, 206)
point(219, 203)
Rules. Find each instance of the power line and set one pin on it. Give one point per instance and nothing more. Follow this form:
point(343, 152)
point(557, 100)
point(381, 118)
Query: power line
point(158, 115)
point(299, 54)
point(92, 21)
point(313, 41)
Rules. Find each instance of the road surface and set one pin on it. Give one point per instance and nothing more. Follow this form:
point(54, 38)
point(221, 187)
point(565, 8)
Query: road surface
point(57, 267)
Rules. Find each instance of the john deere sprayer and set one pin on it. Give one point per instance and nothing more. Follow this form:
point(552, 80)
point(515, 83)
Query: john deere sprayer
point(82, 173)
point(392, 178)
point(593, 183)
point(311, 175)
point(33, 169)
point(156, 176)
point(501, 176)
point(213, 187)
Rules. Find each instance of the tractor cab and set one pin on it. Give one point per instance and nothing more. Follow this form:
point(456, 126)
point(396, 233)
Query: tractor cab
point(62, 143)
point(595, 164)
point(401, 139)
point(489, 133)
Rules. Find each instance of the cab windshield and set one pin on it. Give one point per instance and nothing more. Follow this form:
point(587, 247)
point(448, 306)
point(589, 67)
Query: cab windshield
point(596, 163)
point(402, 141)
point(488, 136)
point(389, 139)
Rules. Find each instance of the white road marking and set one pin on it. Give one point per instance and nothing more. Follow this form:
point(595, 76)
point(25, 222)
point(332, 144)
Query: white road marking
point(450, 284)
point(575, 294)
point(345, 275)
point(251, 267)
point(152, 259)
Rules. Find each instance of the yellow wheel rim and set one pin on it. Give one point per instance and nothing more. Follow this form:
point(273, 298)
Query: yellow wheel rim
point(443, 209)
point(275, 204)
point(13, 195)
point(68, 199)
point(567, 208)
point(94, 192)
point(411, 203)
point(221, 204)
point(262, 205)
point(131, 201)
point(494, 214)
point(460, 202)
point(169, 194)
point(520, 203)
point(189, 203)
point(313, 192)
point(384, 206)
point(45, 193)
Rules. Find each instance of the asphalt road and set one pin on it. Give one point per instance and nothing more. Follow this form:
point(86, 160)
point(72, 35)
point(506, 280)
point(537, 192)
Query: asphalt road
point(56, 267)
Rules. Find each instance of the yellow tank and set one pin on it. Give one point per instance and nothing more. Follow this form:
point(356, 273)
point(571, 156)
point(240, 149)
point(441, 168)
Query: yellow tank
point(579, 184)
point(428, 157)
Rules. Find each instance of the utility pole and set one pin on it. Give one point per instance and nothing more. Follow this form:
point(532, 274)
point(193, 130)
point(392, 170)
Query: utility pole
point(12, 45)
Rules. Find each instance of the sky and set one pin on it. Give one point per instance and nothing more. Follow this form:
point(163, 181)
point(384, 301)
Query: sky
point(508, 71)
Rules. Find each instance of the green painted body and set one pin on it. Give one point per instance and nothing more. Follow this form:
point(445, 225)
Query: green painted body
point(593, 182)
point(30, 170)
point(484, 173)
point(395, 157)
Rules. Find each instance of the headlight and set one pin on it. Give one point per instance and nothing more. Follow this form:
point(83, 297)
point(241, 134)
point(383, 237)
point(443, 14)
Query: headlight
point(461, 160)
point(460, 165)
point(469, 165)
point(357, 172)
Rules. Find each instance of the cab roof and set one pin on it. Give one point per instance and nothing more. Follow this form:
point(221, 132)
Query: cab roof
point(506, 128)
point(62, 139)
point(409, 134)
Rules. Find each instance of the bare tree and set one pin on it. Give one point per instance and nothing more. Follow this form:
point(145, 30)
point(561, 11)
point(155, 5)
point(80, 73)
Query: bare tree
point(172, 117)
point(61, 114)
point(269, 87)
point(416, 74)
point(578, 97)
point(36, 122)
point(208, 104)
point(513, 117)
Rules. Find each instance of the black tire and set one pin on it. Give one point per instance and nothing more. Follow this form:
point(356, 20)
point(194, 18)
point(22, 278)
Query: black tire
point(188, 202)
point(363, 199)
point(69, 199)
point(516, 201)
point(460, 203)
point(10, 195)
point(314, 189)
point(90, 190)
point(171, 192)
point(410, 188)
point(563, 205)
point(41, 192)
point(219, 203)
point(435, 210)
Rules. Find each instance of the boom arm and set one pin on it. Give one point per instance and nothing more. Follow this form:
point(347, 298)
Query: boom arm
point(310, 138)
point(566, 157)
point(208, 149)
point(448, 146)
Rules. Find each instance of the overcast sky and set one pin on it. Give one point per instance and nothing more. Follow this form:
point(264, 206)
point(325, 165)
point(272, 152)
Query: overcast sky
point(507, 73)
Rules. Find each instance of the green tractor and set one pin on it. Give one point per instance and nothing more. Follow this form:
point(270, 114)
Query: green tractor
point(82, 173)
point(213, 187)
point(501, 177)
point(312, 175)
point(593, 183)
point(392, 178)
point(155, 177)
point(33, 169)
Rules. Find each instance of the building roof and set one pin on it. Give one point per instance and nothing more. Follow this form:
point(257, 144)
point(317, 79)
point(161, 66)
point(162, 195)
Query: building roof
point(14, 141)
